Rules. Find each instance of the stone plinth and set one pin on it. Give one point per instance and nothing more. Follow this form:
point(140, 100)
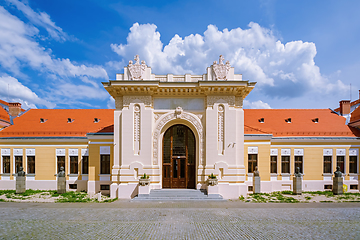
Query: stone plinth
point(337, 185)
point(297, 185)
point(20, 184)
point(256, 184)
point(144, 190)
point(61, 185)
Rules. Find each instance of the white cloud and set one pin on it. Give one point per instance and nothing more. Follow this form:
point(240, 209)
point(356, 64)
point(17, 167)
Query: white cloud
point(18, 49)
point(12, 90)
point(256, 105)
point(282, 70)
point(111, 103)
point(41, 19)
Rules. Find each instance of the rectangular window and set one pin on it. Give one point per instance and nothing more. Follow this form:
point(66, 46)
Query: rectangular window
point(60, 162)
point(73, 164)
point(273, 164)
point(285, 164)
point(104, 164)
point(327, 164)
point(104, 187)
point(18, 163)
point(85, 165)
point(31, 164)
point(353, 164)
point(6, 164)
point(252, 162)
point(340, 162)
point(299, 163)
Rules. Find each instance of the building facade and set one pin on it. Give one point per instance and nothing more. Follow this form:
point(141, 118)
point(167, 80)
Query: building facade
point(178, 129)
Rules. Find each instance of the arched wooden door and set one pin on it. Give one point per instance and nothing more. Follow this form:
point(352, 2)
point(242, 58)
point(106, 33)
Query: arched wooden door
point(179, 157)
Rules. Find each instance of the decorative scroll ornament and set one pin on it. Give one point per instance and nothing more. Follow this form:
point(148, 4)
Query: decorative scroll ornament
point(221, 70)
point(221, 129)
point(136, 70)
point(136, 129)
point(178, 112)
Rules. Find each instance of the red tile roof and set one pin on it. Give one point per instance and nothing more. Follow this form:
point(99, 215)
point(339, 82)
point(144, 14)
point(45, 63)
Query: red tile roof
point(56, 123)
point(4, 115)
point(302, 123)
point(355, 116)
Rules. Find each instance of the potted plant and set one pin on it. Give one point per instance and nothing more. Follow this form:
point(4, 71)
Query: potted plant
point(144, 180)
point(212, 180)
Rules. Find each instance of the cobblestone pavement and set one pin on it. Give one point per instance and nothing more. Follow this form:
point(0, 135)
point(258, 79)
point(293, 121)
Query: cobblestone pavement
point(179, 220)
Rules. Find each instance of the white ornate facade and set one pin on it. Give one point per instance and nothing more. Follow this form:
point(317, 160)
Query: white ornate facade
point(147, 105)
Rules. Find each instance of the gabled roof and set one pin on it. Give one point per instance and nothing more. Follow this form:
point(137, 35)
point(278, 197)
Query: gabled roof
point(297, 122)
point(55, 122)
point(355, 118)
point(4, 115)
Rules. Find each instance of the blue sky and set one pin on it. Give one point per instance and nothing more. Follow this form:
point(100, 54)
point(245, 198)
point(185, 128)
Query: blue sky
point(302, 54)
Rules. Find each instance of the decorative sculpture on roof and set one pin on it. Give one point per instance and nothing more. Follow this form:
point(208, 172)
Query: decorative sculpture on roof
point(137, 70)
point(221, 70)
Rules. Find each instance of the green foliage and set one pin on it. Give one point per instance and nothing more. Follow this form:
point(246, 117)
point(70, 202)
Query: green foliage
point(110, 200)
point(212, 176)
point(326, 193)
point(3, 192)
point(308, 198)
point(242, 198)
point(145, 176)
point(72, 196)
point(287, 192)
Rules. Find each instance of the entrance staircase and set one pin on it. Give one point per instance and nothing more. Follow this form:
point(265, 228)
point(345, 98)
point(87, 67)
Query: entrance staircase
point(177, 195)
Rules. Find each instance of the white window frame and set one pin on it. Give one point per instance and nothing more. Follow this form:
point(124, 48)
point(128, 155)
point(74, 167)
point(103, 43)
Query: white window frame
point(299, 152)
point(29, 152)
point(354, 152)
point(328, 152)
point(104, 150)
point(71, 153)
point(4, 152)
point(341, 152)
point(17, 152)
point(59, 152)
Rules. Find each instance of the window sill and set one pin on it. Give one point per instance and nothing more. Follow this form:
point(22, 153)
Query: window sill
point(5, 174)
point(73, 175)
point(327, 174)
point(352, 174)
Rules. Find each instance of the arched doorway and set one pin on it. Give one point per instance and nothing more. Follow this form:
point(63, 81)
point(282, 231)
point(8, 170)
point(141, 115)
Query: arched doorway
point(179, 157)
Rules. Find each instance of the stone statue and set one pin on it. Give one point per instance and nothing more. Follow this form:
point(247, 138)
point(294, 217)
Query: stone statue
point(256, 172)
point(21, 172)
point(337, 173)
point(297, 172)
point(61, 172)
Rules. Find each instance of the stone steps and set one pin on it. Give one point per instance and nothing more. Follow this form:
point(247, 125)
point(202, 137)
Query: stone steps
point(177, 195)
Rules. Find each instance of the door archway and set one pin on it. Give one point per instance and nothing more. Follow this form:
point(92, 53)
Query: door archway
point(179, 157)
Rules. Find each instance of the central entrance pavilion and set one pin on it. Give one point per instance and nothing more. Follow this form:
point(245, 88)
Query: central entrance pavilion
point(178, 129)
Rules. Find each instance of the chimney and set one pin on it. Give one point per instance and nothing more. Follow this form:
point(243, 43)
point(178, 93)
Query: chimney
point(359, 94)
point(344, 107)
point(14, 109)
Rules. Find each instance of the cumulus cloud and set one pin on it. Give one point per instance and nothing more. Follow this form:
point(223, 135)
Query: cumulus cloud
point(19, 49)
point(256, 105)
point(41, 19)
point(12, 90)
point(282, 70)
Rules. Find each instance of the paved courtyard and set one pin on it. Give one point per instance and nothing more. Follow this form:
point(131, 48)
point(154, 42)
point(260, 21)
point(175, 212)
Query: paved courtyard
point(179, 220)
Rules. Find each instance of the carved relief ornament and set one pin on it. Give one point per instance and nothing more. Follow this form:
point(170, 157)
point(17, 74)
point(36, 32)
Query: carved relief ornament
point(221, 70)
point(147, 100)
point(163, 120)
point(137, 70)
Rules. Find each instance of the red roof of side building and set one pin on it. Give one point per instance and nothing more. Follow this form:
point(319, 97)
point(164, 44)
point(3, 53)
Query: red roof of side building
point(4, 115)
point(303, 122)
point(56, 123)
point(355, 118)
